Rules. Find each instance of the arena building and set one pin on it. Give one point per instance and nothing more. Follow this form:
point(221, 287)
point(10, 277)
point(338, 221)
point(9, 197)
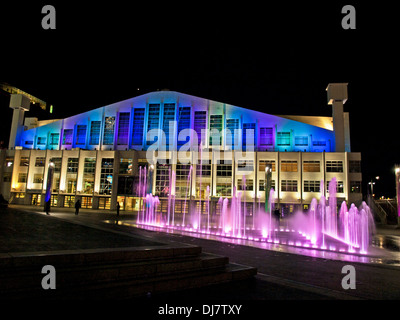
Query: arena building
point(188, 147)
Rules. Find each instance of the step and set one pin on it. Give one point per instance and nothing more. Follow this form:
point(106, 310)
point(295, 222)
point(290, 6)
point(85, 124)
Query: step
point(157, 285)
point(128, 270)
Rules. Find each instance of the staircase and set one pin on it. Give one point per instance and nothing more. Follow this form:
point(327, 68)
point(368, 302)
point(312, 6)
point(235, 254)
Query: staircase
point(116, 273)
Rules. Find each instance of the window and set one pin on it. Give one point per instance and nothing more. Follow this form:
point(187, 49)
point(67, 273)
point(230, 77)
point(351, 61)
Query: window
point(123, 128)
point(87, 202)
point(283, 139)
point(319, 143)
point(224, 189)
point(54, 138)
point(57, 164)
point(162, 179)
point(106, 175)
point(22, 178)
point(289, 185)
point(41, 141)
point(215, 129)
point(38, 178)
point(9, 162)
point(153, 120)
point(354, 166)
point(94, 137)
point(200, 123)
point(24, 162)
point(183, 123)
point(261, 185)
point(80, 135)
point(232, 138)
point(104, 203)
point(249, 136)
point(89, 168)
point(125, 166)
point(312, 186)
point(138, 126)
point(182, 180)
point(109, 124)
point(72, 165)
point(311, 166)
point(169, 115)
point(40, 161)
point(7, 177)
point(69, 201)
point(288, 166)
point(339, 187)
point(355, 186)
point(224, 168)
point(205, 169)
point(301, 141)
point(266, 136)
point(245, 165)
point(67, 137)
point(334, 166)
point(245, 185)
point(264, 163)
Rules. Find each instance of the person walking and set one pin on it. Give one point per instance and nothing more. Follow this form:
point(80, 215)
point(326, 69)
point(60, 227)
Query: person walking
point(77, 206)
point(47, 207)
point(118, 207)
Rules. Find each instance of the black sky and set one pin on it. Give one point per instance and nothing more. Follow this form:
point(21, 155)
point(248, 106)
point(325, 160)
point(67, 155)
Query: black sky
point(274, 58)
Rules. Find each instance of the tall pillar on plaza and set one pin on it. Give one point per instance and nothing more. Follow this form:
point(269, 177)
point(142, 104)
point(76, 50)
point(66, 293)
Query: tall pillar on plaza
point(19, 103)
point(337, 97)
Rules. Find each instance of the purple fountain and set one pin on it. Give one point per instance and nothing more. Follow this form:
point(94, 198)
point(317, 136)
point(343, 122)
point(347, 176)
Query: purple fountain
point(322, 227)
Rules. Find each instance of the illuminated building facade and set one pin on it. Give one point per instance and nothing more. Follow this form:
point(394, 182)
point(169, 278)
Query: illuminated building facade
point(97, 155)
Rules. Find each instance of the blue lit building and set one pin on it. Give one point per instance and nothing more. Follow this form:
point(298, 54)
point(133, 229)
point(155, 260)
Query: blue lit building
point(97, 155)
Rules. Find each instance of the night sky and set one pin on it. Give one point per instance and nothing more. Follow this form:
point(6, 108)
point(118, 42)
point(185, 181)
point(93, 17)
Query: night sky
point(273, 58)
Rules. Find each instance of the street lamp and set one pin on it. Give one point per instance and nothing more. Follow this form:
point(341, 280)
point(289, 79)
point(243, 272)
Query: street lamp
point(397, 171)
point(372, 183)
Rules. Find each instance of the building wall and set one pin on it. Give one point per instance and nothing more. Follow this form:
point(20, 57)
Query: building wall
point(290, 169)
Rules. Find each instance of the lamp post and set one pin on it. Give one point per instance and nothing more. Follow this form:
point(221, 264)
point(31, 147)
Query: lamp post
point(50, 172)
point(372, 183)
point(397, 171)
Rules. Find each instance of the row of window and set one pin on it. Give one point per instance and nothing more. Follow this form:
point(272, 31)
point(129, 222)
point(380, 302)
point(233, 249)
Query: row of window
point(91, 133)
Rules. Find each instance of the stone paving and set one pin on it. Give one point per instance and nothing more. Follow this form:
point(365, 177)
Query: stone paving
point(281, 275)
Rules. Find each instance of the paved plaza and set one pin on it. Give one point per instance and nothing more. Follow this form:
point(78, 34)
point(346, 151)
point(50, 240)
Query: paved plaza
point(283, 274)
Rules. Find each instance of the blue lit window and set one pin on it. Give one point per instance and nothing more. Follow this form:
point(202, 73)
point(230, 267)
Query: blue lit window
point(153, 119)
point(94, 132)
point(67, 137)
point(232, 139)
point(266, 136)
point(54, 138)
point(41, 141)
point(249, 131)
point(138, 126)
point(183, 123)
point(109, 124)
point(215, 125)
point(283, 139)
point(80, 135)
point(301, 141)
point(169, 115)
point(200, 123)
point(123, 128)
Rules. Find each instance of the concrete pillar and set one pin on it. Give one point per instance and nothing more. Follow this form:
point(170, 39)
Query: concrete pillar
point(337, 97)
point(20, 104)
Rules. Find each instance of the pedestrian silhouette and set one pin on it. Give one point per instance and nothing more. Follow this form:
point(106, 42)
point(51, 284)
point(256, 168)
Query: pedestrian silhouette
point(77, 206)
point(118, 209)
point(47, 207)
